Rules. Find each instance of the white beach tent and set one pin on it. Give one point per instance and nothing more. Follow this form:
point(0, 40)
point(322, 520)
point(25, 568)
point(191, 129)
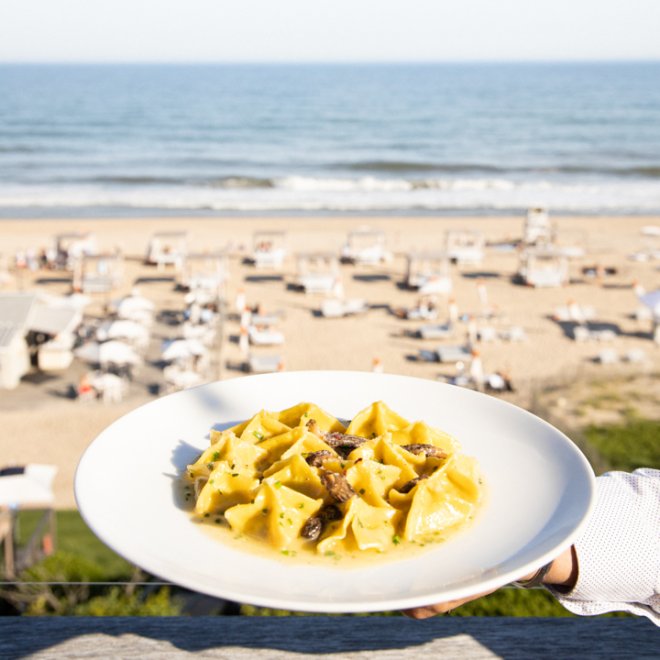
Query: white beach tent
point(15, 311)
point(98, 273)
point(543, 267)
point(73, 246)
point(366, 246)
point(205, 271)
point(428, 272)
point(318, 272)
point(21, 313)
point(268, 249)
point(538, 227)
point(167, 248)
point(465, 247)
point(32, 488)
point(109, 352)
point(59, 322)
point(652, 301)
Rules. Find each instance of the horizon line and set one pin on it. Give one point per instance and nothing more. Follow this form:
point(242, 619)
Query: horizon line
point(320, 62)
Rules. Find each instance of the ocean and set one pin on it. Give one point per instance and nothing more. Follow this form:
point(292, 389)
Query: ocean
point(134, 140)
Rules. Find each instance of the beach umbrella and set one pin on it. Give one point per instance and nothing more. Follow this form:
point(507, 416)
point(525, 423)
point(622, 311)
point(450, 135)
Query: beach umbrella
point(122, 329)
point(115, 352)
point(652, 301)
point(133, 303)
point(177, 349)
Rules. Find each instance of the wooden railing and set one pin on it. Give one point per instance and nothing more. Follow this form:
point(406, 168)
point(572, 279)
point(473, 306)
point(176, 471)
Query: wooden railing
point(330, 637)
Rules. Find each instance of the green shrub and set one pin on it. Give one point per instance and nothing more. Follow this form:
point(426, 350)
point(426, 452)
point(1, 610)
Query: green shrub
point(628, 446)
point(117, 602)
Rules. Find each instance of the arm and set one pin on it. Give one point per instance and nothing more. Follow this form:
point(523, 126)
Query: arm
point(615, 564)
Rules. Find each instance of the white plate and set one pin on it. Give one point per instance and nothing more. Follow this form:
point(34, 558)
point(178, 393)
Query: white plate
point(540, 493)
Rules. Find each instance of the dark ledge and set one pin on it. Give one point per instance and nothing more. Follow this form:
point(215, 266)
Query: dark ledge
point(359, 637)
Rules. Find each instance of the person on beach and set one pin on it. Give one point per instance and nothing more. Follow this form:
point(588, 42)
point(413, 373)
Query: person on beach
point(615, 563)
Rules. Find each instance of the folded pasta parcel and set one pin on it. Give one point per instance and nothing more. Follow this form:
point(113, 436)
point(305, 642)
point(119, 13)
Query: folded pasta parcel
point(298, 479)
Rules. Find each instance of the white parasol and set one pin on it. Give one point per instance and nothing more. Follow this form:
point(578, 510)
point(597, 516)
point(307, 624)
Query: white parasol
point(123, 329)
point(133, 303)
point(115, 352)
point(176, 349)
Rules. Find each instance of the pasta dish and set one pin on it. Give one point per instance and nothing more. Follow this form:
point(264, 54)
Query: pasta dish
point(300, 479)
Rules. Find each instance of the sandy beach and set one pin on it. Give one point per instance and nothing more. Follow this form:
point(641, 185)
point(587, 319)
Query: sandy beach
point(41, 425)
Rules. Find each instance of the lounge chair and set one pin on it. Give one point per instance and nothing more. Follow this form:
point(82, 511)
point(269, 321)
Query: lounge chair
point(436, 331)
point(337, 308)
point(260, 336)
point(453, 354)
point(584, 333)
point(607, 356)
point(514, 333)
point(264, 364)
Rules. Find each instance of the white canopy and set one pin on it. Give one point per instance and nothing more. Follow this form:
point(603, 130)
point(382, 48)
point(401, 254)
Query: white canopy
point(652, 301)
point(32, 488)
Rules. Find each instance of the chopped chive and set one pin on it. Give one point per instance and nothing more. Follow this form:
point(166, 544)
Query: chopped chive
point(278, 484)
point(396, 540)
point(216, 456)
point(258, 435)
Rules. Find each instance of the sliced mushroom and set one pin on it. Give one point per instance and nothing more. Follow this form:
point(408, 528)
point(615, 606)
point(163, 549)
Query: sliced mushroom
point(317, 458)
point(314, 526)
point(337, 485)
point(343, 443)
point(313, 427)
point(428, 450)
point(409, 485)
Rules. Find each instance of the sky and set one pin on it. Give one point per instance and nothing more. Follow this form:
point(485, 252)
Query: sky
point(327, 30)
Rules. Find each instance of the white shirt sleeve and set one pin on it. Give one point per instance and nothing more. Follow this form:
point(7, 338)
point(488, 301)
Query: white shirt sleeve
point(619, 551)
